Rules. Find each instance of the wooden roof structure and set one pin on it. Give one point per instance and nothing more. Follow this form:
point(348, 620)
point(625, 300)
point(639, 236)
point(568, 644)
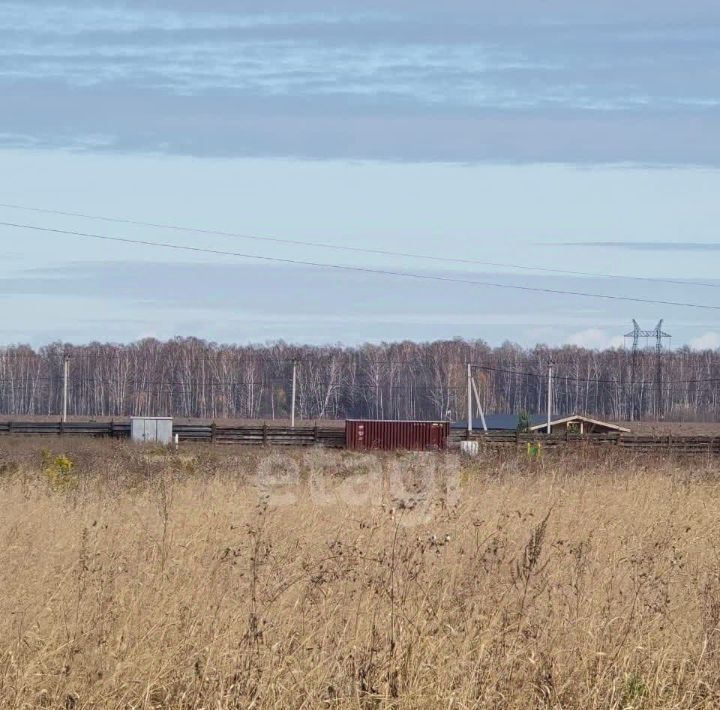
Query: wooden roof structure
point(538, 423)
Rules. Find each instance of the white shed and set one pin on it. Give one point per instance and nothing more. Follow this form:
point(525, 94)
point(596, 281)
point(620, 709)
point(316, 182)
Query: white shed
point(151, 430)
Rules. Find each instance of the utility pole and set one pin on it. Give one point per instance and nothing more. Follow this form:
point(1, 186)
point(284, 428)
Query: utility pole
point(635, 405)
point(479, 407)
point(659, 335)
point(550, 397)
point(66, 368)
point(292, 401)
point(472, 387)
point(469, 401)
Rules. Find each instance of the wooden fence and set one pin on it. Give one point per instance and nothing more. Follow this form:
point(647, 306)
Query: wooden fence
point(261, 434)
point(634, 442)
point(334, 437)
point(329, 437)
point(111, 429)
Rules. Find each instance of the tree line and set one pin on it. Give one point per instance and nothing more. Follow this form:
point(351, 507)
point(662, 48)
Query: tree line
point(188, 377)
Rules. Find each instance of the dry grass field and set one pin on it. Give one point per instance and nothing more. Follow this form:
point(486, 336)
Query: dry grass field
point(140, 578)
point(674, 428)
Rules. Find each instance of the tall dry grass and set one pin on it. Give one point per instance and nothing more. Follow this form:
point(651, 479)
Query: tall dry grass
point(153, 580)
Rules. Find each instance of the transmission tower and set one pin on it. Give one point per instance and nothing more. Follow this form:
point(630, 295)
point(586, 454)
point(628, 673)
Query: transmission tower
point(658, 335)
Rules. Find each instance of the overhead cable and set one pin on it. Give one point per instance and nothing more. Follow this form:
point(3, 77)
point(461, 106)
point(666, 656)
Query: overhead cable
point(360, 269)
point(354, 249)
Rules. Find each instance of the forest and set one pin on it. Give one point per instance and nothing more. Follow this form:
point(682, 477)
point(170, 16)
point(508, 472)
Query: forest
point(188, 377)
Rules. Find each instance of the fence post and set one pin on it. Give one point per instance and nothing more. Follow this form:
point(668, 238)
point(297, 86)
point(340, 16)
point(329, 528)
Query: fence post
point(315, 434)
point(61, 429)
point(212, 432)
point(264, 433)
point(10, 427)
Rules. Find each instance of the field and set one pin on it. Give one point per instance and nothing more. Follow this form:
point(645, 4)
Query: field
point(674, 428)
point(143, 578)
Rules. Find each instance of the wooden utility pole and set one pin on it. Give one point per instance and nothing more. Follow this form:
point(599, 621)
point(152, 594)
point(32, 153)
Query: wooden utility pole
point(550, 397)
point(292, 401)
point(472, 388)
point(479, 406)
point(66, 368)
point(469, 401)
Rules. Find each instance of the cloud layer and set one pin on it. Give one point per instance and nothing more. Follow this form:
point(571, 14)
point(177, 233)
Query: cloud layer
point(249, 302)
point(706, 341)
point(650, 246)
point(595, 339)
point(533, 82)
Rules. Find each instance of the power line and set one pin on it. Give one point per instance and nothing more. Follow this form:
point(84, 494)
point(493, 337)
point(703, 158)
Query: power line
point(140, 384)
point(119, 381)
point(353, 249)
point(584, 380)
point(78, 357)
point(359, 269)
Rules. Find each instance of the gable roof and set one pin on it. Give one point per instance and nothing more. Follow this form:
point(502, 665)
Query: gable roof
point(501, 422)
point(580, 418)
point(509, 422)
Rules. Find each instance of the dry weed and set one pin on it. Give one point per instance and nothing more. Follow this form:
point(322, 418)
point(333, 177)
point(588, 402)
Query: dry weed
point(168, 581)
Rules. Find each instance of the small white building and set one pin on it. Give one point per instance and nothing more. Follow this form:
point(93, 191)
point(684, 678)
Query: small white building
point(151, 430)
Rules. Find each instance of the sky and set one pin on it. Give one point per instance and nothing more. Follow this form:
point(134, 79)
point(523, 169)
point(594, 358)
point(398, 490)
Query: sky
point(577, 137)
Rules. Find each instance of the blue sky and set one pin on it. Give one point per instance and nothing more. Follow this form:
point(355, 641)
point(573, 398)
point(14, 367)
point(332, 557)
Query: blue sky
point(557, 135)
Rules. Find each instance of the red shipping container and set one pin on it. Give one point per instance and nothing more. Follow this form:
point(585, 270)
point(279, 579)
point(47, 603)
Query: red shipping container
point(387, 435)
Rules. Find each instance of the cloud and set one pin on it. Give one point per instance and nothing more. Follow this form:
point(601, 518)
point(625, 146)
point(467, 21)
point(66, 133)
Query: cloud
point(509, 82)
point(327, 127)
point(522, 11)
point(306, 289)
point(119, 299)
point(648, 246)
point(595, 339)
point(707, 341)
